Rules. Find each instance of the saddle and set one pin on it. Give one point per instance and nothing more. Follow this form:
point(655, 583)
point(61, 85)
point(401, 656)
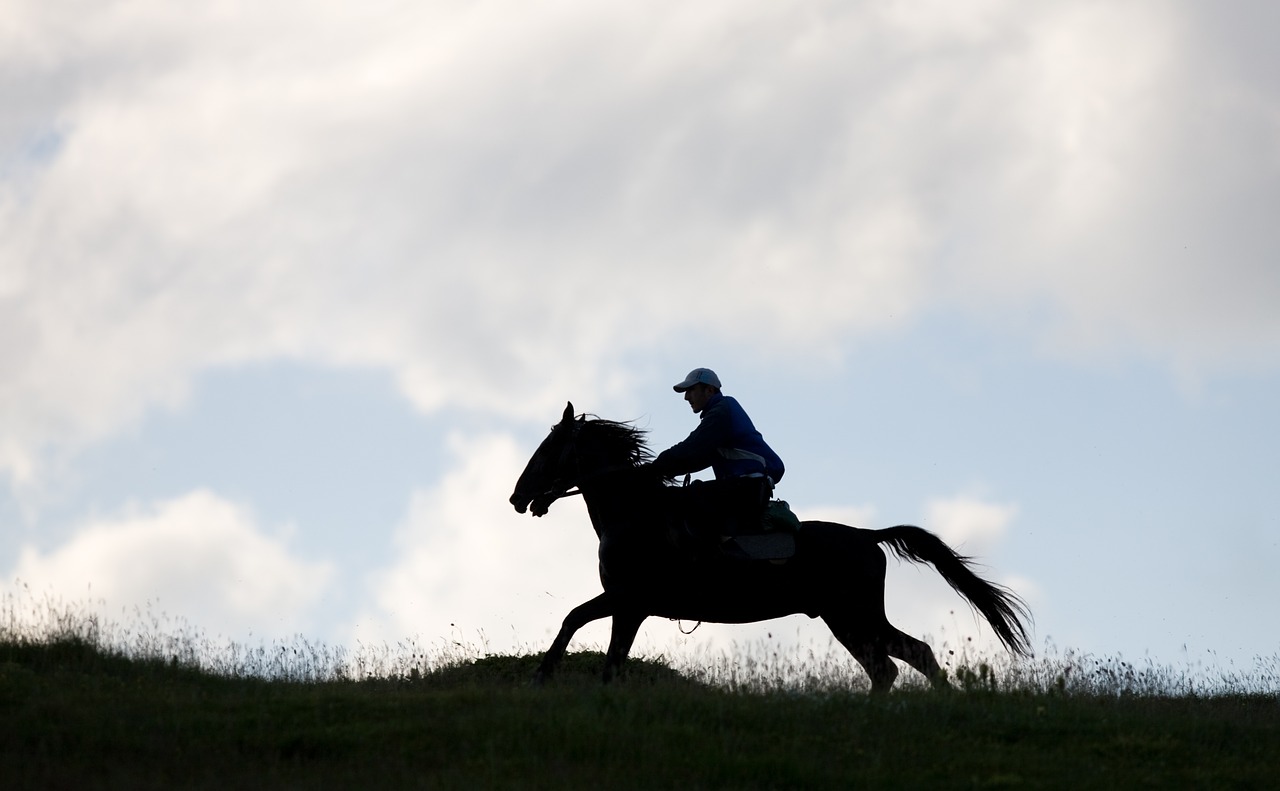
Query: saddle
point(776, 539)
point(771, 538)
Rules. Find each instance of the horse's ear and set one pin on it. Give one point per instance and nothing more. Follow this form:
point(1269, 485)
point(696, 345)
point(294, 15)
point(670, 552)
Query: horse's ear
point(567, 417)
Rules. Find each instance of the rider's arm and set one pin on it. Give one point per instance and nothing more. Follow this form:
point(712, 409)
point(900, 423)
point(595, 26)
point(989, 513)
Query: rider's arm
point(700, 448)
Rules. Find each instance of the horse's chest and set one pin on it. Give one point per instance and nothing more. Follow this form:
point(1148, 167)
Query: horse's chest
point(623, 562)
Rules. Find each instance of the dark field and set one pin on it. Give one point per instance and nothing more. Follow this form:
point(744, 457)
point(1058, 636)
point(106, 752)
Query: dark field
point(74, 714)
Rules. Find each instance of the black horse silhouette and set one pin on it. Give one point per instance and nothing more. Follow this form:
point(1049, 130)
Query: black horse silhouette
point(837, 573)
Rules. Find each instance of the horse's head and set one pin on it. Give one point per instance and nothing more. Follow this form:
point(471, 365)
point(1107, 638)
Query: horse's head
point(553, 469)
point(578, 452)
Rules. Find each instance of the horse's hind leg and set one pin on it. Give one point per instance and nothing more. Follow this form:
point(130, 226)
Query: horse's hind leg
point(867, 646)
point(918, 654)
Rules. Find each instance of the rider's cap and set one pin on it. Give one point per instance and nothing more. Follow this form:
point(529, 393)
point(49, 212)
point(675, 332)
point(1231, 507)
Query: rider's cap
point(704, 376)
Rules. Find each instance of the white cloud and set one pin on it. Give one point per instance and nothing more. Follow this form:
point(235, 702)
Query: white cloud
point(468, 565)
point(511, 198)
point(854, 516)
point(198, 557)
point(968, 523)
point(1152, 165)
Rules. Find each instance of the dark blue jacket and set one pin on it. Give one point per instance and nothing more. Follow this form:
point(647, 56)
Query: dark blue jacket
point(726, 441)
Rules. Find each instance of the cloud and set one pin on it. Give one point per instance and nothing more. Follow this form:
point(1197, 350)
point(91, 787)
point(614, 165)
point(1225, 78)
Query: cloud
point(1154, 157)
point(854, 516)
point(468, 565)
point(197, 556)
point(969, 523)
point(505, 198)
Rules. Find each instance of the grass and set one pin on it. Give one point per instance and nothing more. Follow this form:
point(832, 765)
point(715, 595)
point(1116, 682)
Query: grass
point(89, 705)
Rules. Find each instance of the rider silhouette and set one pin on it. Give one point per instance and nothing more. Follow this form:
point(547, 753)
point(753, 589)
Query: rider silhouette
point(745, 467)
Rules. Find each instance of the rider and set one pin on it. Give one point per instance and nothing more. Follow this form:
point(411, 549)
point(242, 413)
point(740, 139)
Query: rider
point(725, 440)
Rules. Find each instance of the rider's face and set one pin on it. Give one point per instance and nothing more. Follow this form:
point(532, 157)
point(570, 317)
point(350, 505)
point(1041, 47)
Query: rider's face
point(698, 396)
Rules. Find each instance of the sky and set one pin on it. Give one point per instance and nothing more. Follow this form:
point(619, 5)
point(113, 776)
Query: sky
point(290, 292)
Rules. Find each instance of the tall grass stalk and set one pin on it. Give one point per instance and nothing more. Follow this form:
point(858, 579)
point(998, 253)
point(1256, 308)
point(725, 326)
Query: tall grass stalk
point(758, 668)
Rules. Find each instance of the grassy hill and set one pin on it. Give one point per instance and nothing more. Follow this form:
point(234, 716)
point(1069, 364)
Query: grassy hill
point(77, 714)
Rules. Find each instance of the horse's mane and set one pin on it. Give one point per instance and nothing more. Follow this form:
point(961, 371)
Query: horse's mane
point(621, 439)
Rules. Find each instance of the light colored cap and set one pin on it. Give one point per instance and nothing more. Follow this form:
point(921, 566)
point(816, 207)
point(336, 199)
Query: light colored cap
point(704, 376)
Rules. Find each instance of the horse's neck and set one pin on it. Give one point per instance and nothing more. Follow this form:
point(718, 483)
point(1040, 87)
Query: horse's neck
point(603, 504)
point(633, 530)
point(614, 503)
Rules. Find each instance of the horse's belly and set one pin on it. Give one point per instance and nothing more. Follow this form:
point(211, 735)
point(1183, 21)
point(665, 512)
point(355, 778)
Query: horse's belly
point(754, 594)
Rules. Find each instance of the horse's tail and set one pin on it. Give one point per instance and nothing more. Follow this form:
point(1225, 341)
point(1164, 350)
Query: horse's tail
point(1002, 608)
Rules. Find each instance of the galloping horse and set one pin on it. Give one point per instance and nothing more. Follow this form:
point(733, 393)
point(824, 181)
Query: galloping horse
point(837, 573)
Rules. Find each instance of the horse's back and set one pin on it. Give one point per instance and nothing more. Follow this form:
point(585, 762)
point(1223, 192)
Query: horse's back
point(834, 533)
point(854, 549)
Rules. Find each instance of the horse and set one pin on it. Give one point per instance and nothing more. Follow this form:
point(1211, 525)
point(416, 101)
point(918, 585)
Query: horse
point(837, 572)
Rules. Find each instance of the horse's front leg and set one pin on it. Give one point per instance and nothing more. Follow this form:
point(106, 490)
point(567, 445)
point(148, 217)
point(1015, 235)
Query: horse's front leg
point(593, 610)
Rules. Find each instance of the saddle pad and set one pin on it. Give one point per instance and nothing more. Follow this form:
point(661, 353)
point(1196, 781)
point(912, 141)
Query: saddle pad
point(767, 546)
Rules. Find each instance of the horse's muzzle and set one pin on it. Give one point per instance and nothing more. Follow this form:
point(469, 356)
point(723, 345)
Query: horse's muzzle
point(539, 505)
point(520, 502)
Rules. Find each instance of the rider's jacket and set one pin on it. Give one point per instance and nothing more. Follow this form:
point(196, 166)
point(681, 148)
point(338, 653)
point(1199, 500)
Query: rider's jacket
point(726, 441)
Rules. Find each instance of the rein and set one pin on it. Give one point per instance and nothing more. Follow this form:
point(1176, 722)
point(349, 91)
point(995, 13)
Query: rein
point(550, 496)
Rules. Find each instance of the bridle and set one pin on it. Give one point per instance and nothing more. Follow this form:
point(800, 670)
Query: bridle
point(558, 488)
